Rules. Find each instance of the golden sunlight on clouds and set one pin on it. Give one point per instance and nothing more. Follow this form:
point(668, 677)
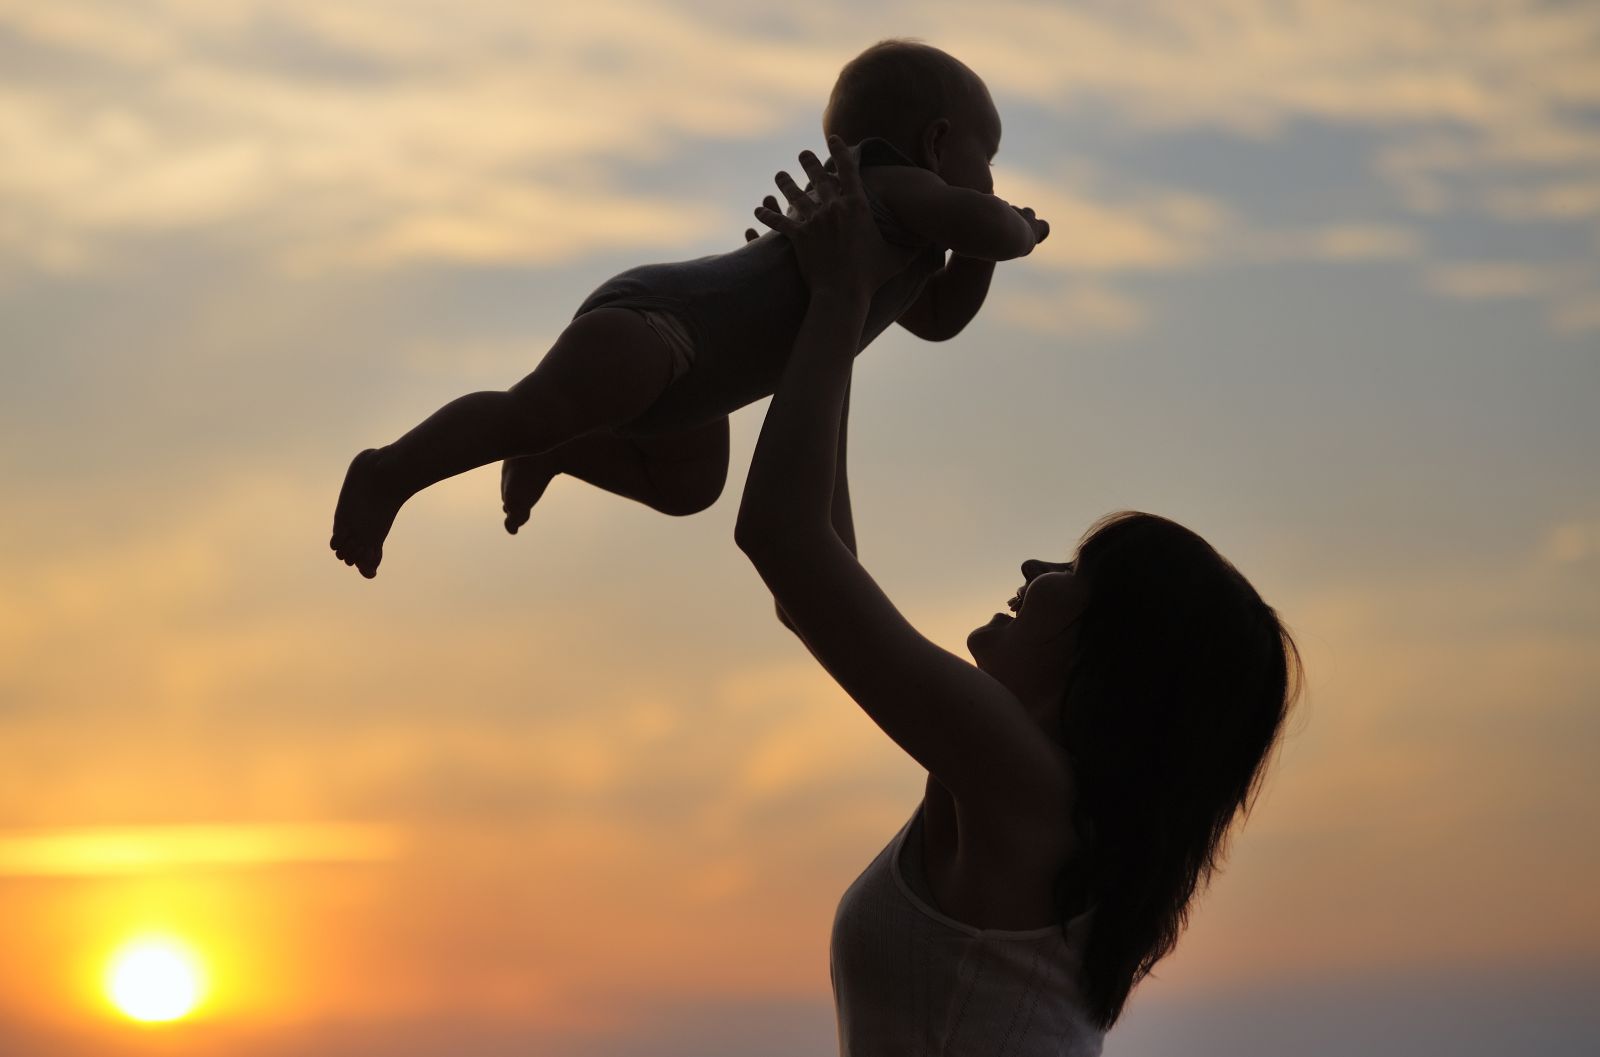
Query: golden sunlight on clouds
point(93, 26)
point(523, 225)
point(158, 849)
point(480, 143)
point(479, 136)
point(556, 781)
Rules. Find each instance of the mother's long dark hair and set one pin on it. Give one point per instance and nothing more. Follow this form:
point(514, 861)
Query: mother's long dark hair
point(1180, 682)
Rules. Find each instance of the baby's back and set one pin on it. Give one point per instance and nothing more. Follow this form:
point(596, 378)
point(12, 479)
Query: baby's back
point(742, 310)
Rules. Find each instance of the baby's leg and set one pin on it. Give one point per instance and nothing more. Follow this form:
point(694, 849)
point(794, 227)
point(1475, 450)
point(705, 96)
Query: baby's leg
point(676, 473)
point(605, 369)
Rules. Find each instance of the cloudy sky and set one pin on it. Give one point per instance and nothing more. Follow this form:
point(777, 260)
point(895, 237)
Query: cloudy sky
point(1324, 284)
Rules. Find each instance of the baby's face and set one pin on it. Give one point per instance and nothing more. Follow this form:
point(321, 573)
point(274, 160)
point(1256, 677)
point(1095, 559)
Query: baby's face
point(969, 147)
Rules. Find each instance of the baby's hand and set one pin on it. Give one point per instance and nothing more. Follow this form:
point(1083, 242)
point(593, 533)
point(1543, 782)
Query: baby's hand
point(1041, 228)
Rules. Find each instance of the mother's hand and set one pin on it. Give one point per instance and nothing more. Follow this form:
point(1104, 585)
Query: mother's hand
point(835, 239)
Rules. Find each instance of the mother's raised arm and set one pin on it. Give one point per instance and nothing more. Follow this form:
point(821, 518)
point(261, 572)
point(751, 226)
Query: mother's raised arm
point(790, 487)
point(962, 725)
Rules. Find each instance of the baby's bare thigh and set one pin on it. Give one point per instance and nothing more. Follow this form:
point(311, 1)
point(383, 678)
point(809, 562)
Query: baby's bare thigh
point(687, 468)
point(675, 473)
point(607, 367)
point(702, 444)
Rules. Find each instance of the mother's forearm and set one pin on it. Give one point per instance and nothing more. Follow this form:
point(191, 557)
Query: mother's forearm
point(790, 487)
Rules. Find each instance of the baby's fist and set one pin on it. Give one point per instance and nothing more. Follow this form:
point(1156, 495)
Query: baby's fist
point(1041, 228)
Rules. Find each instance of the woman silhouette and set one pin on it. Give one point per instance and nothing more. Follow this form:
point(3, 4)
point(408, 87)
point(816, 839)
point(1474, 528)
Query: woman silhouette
point(1082, 773)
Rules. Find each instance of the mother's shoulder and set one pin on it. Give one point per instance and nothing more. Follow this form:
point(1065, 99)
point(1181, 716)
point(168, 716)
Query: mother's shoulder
point(1034, 820)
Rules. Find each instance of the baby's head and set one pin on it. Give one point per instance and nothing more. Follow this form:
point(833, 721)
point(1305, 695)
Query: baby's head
point(925, 102)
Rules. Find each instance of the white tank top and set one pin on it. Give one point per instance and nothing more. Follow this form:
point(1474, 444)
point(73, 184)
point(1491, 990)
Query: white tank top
point(910, 981)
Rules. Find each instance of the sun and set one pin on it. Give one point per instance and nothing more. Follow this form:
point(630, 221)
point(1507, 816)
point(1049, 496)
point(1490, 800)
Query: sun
point(154, 979)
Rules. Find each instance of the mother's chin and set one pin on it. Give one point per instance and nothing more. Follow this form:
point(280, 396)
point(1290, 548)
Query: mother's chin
point(982, 638)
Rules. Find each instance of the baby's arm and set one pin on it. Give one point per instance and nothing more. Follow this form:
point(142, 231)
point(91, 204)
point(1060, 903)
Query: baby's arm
point(967, 223)
point(949, 300)
point(978, 228)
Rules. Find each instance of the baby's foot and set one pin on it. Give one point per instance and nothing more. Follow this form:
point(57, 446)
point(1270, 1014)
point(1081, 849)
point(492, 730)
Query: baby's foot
point(522, 483)
point(368, 503)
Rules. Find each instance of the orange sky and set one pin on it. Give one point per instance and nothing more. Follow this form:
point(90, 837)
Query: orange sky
point(1324, 287)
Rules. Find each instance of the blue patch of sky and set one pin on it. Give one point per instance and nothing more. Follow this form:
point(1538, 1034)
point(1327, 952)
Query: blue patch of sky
point(1427, 1013)
point(1306, 172)
point(730, 174)
point(1364, 330)
point(1302, 403)
point(1464, 236)
point(194, 358)
point(490, 302)
point(1308, 384)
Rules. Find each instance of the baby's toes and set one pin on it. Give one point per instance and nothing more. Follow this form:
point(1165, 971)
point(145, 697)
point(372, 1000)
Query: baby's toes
point(346, 551)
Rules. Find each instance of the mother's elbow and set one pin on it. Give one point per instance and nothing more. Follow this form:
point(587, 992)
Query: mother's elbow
point(751, 536)
point(764, 539)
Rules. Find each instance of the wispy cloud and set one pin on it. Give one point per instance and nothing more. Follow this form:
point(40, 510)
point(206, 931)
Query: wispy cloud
point(1569, 293)
point(1254, 66)
point(1555, 200)
point(1096, 230)
point(466, 134)
point(1333, 242)
point(88, 852)
point(1488, 279)
point(1572, 541)
point(594, 729)
point(1078, 308)
point(370, 134)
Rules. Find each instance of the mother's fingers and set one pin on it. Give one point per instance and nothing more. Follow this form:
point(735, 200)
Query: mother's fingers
point(776, 220)
point(769, 203)
point(821, 179)
point(801, 201)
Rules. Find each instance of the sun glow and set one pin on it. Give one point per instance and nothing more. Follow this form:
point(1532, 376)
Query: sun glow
point(154, 979)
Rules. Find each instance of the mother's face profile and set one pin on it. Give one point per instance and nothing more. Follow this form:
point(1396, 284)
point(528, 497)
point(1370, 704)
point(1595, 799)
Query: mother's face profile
point(1147, 617)
point(1030, 649)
